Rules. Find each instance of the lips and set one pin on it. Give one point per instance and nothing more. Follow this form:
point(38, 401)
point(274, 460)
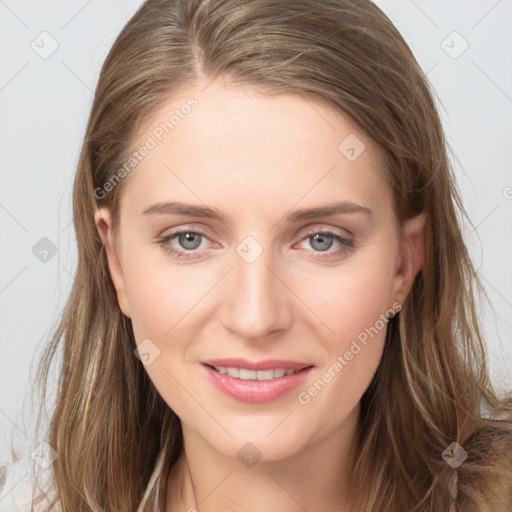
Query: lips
point(237, 381)
point(268, 364)
point(244, 374)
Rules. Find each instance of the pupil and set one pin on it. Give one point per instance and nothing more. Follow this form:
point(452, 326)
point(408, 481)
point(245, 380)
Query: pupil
point(188, 241)
point(321, 238)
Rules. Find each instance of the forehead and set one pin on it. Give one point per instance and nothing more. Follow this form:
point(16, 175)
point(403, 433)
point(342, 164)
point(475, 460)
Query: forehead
point(230, 142)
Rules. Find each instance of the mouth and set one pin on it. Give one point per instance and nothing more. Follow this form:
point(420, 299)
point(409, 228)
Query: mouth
point(247, 374)
point(256, 382)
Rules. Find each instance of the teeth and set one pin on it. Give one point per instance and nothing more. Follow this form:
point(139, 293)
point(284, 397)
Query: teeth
point(266, 374)
point(247, 374)
point(233, 372)
point(244, 374)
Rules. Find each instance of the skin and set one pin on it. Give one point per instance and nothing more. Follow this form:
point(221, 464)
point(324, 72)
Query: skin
point(257, 157)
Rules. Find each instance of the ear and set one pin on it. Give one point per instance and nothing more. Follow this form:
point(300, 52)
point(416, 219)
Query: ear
point(411, 258)
point(103, 221)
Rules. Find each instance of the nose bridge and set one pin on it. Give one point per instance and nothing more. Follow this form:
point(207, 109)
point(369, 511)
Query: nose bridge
point(255, 303)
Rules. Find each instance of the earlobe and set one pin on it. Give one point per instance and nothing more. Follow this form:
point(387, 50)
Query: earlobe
point(102, 220)
point(413, 255)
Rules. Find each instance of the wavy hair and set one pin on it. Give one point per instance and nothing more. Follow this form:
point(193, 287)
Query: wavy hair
point(115, 436)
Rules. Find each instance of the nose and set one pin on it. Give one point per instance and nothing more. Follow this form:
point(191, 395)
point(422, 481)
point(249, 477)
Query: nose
point(256, 301)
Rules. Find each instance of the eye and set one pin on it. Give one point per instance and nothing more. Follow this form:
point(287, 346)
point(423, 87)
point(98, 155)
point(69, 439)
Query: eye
point(187, 239)
point(186, 243)
point(322, 241)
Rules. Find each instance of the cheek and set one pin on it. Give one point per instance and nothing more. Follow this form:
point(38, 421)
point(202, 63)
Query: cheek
point(349, 299)
point(352, 303)
point(148, 305)
point(159, 293)
point(171, 304)
point(360, 327)
point(164, 304)
point(356, 314)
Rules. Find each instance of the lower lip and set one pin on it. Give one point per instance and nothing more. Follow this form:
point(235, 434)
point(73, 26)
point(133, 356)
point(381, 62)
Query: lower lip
point(256, 391)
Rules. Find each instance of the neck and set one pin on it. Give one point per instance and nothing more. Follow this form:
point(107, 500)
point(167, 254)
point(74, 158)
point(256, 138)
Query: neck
point(313, 479)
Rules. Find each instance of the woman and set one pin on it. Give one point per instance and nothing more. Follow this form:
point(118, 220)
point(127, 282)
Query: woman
point(274, 306)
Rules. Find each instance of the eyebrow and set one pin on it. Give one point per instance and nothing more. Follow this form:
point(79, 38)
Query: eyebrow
point(177, 208)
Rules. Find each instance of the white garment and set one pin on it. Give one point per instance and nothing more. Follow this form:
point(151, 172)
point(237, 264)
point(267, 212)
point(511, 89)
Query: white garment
point(15, 491)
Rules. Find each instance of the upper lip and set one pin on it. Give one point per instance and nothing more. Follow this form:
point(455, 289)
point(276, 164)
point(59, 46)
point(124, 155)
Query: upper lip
point(267, 364)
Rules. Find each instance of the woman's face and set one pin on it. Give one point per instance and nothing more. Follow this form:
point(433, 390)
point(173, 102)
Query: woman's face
point(266, 278)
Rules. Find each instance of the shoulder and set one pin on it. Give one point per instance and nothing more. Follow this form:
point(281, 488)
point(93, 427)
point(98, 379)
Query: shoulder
point(485, 474)
point(15, 488)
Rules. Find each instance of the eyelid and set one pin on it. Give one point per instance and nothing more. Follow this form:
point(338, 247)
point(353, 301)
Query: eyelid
point(346, 242)
point(320, 228)
point(201, 228)
point(316, 228)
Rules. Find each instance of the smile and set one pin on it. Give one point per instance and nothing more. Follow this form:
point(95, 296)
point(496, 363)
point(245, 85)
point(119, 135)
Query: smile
point(257, 385)
point(245, 374)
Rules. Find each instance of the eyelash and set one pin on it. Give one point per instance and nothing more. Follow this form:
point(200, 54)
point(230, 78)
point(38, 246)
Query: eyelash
point(346, 244)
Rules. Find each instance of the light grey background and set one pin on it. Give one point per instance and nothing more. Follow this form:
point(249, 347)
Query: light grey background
point(45, 100)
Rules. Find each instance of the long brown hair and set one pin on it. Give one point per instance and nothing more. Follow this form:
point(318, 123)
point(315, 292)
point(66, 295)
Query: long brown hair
point(114, 435)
